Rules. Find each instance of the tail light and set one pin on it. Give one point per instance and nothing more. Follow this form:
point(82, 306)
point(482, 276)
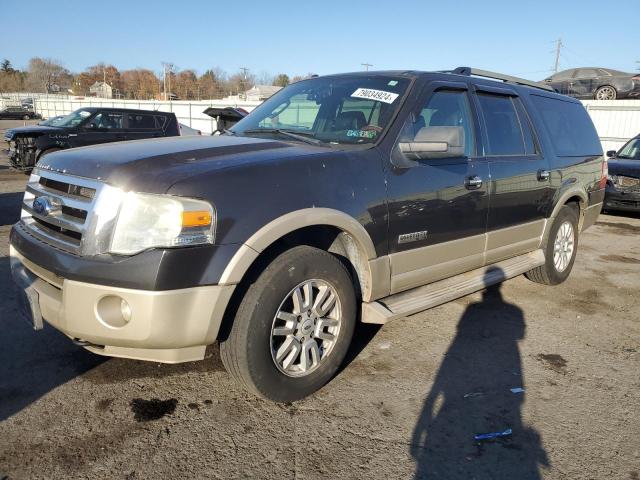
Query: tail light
point(604, 173)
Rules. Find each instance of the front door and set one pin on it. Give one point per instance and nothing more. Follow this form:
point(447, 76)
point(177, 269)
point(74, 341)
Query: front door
point(520, 189)
point(437, 206)
point(103, 127)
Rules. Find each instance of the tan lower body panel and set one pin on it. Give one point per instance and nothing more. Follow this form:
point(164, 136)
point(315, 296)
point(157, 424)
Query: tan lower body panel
point(426, 265)
point(166, 326)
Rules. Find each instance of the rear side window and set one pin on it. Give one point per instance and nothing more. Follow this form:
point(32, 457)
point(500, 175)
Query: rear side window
point(569, 126)
point(504, 131)
point(138, 121)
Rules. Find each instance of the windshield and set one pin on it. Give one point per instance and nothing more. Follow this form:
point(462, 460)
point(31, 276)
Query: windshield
point(74, 118)
point(631, 150)
point(53, 121)
point(332, 110)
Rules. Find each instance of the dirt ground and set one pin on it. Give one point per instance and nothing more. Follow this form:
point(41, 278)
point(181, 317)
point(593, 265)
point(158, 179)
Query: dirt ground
point(407, 404)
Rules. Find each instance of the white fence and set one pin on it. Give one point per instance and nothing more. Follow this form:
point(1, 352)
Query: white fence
point(616, 121)
point(188, 113)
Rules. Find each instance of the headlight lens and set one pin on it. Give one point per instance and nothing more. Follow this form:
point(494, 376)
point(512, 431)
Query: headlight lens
point(612, 178)
point(148, 221)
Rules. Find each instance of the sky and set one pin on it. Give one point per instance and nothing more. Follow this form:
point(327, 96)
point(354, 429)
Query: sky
point(323, 36)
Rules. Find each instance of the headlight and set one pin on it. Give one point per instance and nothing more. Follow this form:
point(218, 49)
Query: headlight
point(147, 221)
point(613, 179)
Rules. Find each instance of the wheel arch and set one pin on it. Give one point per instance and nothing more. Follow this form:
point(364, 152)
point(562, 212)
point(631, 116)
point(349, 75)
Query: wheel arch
point(329, 229)
point(573, 196)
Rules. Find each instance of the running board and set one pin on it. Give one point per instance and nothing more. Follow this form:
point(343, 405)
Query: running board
point(422, 298)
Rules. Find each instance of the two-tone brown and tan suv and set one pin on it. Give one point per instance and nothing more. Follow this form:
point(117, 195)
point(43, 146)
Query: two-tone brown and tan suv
point(356, 197)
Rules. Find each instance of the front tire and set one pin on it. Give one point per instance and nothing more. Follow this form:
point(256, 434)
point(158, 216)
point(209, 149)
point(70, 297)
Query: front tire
point(293, 327)
point(560, 251)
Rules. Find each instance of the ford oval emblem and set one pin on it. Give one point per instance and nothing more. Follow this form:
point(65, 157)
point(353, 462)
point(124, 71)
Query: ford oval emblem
point(43, 206)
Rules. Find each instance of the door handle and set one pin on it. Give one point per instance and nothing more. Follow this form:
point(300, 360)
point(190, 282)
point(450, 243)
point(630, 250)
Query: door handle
point(473, 182)
point(543, 175)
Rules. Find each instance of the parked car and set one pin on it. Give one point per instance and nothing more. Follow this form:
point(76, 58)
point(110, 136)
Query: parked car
point(225, 117)
point(623, 184)
point(87, 126)
point(596, 83)
point(17, 113)
point(187, 130)
point(370, 196)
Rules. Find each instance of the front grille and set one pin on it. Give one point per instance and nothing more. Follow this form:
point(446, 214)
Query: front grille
point(72, 201)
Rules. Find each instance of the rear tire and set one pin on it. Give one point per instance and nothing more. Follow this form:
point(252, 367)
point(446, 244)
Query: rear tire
point(606, 92)
point(26, 117)
point(289, 335)
point(560, 251)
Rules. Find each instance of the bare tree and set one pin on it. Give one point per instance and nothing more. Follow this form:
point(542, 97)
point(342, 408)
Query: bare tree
point(43, 74)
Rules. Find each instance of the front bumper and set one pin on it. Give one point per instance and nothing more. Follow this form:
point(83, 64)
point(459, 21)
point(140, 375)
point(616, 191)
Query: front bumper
point(623, 201)
point(165, 326)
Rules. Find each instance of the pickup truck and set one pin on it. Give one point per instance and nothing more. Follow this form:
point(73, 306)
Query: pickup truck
point(86, 126)
point(356, 197)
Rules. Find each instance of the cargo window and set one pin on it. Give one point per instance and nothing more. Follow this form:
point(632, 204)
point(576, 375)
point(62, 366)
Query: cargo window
point(160, 121)
point(138, 121)
point(568, 124)
point(503, 125)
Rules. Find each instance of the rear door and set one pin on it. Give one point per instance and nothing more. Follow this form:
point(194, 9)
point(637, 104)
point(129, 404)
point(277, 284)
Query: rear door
point(437, 207)
point(144, 125)
point(519, 188)
point(584, 82)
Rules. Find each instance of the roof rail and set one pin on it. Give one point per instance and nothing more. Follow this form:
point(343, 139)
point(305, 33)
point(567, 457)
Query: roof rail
point(468, 71)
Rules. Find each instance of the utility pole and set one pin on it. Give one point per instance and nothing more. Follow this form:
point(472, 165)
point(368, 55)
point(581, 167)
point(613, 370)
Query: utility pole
point(366, 66)
point(559, 45)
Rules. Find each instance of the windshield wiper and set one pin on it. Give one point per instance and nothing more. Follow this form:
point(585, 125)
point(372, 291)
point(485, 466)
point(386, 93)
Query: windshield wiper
point(286, 133)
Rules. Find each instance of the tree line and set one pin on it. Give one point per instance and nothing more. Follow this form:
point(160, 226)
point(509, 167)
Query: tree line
point(45, 75)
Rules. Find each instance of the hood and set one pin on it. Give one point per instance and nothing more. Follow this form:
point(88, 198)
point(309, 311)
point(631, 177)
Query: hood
point(154, 165)
point(627, 168)
point(36, 130)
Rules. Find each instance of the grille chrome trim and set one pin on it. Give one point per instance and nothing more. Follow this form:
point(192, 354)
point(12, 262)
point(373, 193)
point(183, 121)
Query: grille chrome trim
point(94, 230)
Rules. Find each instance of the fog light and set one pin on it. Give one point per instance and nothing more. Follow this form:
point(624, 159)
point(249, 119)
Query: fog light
point(113, 311)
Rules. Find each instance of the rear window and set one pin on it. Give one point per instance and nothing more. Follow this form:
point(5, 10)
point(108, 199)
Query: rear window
point(569, 126)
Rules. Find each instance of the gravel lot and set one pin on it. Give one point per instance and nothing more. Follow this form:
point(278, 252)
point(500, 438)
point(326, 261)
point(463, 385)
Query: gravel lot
point(406, 405)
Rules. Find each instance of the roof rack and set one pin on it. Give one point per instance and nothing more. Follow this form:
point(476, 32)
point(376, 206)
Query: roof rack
point(468, 71)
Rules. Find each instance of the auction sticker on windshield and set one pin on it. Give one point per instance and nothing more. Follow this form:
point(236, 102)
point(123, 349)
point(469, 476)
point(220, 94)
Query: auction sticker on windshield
point(371, 94)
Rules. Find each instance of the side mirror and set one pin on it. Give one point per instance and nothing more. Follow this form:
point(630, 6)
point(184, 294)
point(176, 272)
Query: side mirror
point(611, 154)
point(435, 142)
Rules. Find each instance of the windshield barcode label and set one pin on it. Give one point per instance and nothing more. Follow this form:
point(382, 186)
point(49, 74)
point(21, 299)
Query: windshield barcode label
point(371, 94)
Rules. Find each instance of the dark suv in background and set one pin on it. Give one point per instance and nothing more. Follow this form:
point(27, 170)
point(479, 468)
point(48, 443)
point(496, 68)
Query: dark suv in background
point(366, 196)
point(86, 126)
point(596, 83)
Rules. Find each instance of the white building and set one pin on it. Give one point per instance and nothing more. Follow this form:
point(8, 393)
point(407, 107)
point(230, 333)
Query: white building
point(101, 90)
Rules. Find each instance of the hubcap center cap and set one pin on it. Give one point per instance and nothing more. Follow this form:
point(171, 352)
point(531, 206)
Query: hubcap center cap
point(307, 327)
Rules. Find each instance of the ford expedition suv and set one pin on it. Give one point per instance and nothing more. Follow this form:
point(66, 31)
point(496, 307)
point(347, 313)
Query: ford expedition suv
point(356, 197)
point(86, 126)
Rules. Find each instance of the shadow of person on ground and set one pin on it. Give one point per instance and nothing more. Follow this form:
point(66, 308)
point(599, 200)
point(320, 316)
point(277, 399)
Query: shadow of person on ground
point(471, 395)
point(32, 363)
